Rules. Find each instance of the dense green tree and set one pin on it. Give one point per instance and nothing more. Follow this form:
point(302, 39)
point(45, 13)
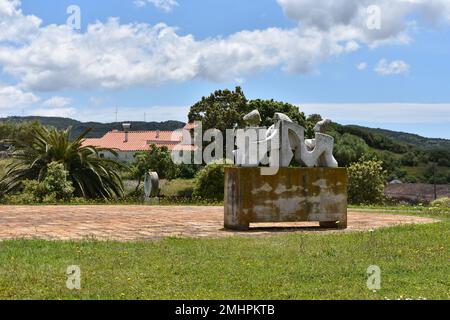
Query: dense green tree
point(222, 110)
point(314, 118)
point(439, 156)
point(393, 166)
point(268, 108)
point(23, 131)
point(90, 175)
point(409, 159)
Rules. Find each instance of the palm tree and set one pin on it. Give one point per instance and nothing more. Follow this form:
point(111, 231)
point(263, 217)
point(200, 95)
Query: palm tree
point(91, 175)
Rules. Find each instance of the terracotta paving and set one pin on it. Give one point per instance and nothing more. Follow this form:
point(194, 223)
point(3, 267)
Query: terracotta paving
point(130, 223)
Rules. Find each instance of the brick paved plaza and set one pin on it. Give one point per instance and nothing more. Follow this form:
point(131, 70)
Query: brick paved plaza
point(129, 223)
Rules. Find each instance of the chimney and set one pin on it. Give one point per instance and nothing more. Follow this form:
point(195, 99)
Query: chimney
point(126, 130)
point(157, 134)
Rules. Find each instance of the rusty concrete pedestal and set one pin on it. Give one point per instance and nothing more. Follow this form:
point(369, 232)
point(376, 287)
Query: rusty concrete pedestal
point(292, 195)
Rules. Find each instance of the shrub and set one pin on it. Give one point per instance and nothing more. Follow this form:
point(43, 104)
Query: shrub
point(210, 181)
point(441, 203)
point(54, 188)
point(56, 184)
point(31, 188)
point(366, 182)
point(187, 192)
point(187, 171)
point(409, 159)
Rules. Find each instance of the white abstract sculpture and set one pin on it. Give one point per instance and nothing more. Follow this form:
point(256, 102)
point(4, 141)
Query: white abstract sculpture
point(286, 141)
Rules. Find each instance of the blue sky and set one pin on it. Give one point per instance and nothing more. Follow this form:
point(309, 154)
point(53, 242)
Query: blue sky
point(159, 57)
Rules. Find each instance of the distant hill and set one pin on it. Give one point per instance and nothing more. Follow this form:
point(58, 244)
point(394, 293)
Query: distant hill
point(98, 129)
point(409, 138)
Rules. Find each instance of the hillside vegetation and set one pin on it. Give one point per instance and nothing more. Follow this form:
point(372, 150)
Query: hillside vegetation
point(409, 138)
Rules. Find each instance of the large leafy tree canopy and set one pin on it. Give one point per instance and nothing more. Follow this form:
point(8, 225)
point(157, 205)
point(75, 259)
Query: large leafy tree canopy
point(268, 108)
point(10, 130)
point(224, 109)
point(91, 175)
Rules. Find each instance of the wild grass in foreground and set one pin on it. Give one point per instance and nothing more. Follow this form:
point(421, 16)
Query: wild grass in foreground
point(414, 262)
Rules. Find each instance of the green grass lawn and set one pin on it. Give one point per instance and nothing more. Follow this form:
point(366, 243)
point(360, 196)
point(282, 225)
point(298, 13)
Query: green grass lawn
point(176, 187)
point(414, 261)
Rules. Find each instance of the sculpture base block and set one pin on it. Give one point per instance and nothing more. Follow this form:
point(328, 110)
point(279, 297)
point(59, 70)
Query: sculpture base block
point(292, 195)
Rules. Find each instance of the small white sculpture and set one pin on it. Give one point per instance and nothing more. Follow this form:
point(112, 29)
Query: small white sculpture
point(151, 185)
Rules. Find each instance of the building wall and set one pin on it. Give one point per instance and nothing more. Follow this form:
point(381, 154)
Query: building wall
point(123, 156)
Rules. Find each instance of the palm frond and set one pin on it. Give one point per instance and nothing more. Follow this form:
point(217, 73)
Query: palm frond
point(91, 176)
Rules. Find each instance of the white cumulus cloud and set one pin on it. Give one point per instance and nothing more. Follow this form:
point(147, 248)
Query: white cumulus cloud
point(114, 55)
point(348, 19)
point(14, 26)
point(54, 112)
point(166, 5)
point(57, 102)
point(12, 97)
point(395, 67)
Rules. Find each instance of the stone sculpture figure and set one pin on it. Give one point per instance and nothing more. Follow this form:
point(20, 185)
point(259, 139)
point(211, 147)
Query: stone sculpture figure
point(286, 141)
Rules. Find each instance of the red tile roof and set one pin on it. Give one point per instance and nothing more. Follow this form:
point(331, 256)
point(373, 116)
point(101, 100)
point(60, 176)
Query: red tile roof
point(139, 140)
point(190, 126)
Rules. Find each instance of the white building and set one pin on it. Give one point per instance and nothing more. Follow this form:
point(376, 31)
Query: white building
point(127, 143)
